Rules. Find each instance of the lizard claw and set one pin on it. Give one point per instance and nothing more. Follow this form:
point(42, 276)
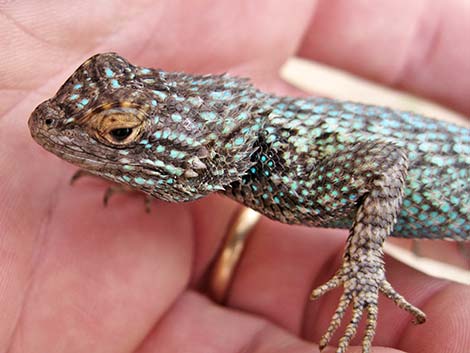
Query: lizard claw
point(111, 190)
point(80, 174)
point(361, 290)
point(115, 189)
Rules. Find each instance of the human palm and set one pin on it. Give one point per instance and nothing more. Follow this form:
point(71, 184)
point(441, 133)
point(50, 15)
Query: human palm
point(77, 277)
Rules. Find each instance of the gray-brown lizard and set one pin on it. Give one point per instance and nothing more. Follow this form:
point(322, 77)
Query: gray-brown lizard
point(316, 161)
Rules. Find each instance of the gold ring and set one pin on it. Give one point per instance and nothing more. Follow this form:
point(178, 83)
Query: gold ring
point(226, 264)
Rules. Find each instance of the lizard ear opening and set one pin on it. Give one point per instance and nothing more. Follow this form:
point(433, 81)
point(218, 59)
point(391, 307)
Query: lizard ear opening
point(117, 127)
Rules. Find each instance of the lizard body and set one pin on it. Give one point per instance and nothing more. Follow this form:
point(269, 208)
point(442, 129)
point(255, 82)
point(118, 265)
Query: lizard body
point(312, 161)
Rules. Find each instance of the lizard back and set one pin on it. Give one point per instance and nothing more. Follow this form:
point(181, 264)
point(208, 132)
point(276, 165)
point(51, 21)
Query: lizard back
point(290, 183)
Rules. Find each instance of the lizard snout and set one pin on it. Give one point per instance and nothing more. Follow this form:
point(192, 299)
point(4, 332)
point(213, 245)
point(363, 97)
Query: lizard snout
point(44, 118)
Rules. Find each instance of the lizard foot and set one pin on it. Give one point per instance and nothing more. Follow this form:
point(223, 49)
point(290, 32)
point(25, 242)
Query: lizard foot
point(362, 285)
point(112, 189)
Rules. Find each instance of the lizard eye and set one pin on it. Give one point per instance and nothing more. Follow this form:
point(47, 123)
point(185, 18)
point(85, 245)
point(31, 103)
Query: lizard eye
point(120, 134)
point(117, 127)
point(120, 131)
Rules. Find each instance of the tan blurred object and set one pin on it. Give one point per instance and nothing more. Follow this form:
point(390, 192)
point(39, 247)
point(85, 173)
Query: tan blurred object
point(325, 81)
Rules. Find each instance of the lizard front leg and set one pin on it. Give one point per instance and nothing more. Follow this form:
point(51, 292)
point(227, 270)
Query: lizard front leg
point(112, 189)
point(362, 273)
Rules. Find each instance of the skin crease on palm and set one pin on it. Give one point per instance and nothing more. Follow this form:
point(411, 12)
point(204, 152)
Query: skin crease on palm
point(77, 277)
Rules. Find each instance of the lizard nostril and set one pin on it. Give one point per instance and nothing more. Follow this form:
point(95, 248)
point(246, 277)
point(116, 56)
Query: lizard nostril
point(49, 122)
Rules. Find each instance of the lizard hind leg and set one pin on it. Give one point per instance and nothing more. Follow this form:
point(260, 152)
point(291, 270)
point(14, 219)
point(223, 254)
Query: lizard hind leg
point(362, 272)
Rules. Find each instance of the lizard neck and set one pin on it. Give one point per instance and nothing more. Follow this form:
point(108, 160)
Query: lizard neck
point(223, 118)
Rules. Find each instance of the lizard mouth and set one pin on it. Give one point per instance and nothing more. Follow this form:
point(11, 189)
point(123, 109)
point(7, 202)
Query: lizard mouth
point(71, 153)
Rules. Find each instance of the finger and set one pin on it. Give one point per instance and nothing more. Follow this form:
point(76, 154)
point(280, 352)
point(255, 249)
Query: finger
point(69, 264)
point(447, 325)
point(418, 46)
point(84, 269)
point(47, 48)
point(196, 325)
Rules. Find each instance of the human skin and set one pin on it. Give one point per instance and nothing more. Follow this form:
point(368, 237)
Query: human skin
point(78, 277)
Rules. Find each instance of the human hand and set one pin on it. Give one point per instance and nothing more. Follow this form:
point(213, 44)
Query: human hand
point(78, 277)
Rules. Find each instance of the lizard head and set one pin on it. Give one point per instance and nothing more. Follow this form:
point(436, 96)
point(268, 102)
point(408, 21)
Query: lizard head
point(175, 136)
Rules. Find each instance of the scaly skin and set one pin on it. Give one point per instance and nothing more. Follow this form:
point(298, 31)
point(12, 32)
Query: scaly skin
point(316, 161)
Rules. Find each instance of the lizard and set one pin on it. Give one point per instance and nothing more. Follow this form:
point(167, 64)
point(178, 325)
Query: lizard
point(313, 161)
